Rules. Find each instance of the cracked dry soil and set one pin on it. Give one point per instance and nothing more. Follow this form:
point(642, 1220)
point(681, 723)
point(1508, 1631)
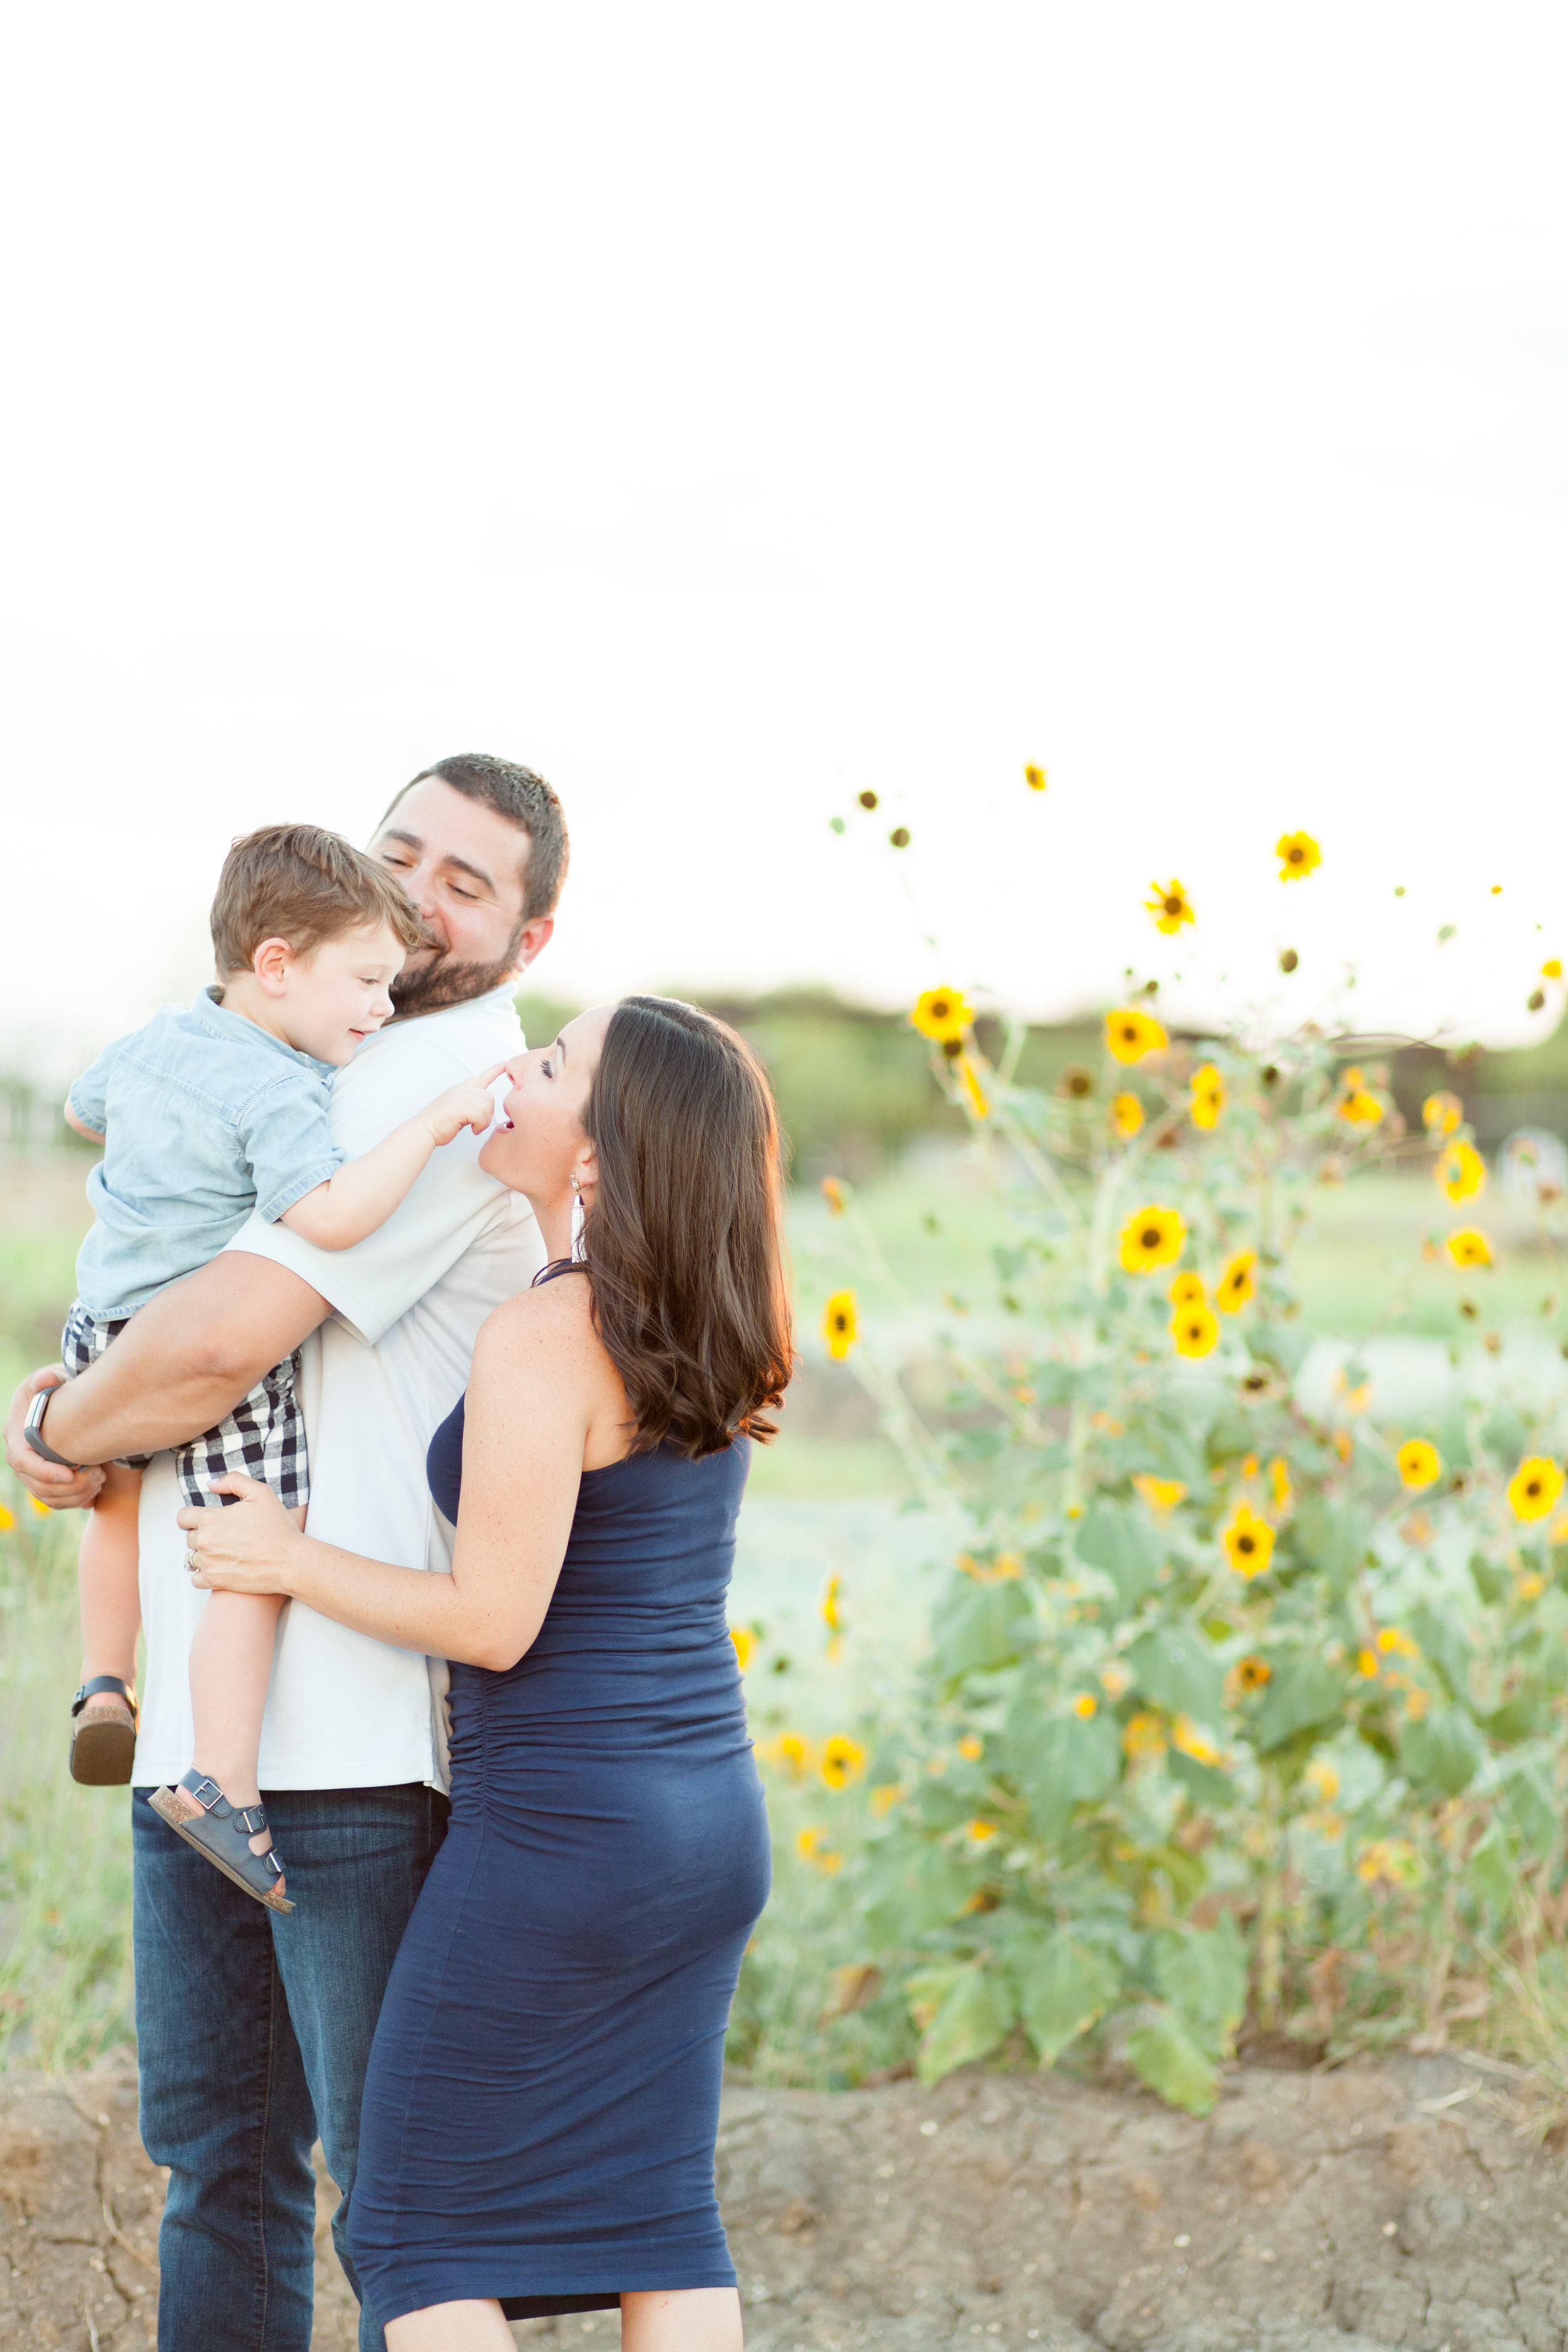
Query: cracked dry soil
point(1381, 2205)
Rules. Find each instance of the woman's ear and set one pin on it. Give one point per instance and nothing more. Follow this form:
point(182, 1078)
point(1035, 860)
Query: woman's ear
point(586, 1170)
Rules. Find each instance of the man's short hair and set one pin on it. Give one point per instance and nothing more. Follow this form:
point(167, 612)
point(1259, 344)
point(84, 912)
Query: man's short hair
point(302, 884)
point(526, 801)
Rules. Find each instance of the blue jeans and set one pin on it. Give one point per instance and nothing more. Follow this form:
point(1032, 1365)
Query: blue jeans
point(253, 2033)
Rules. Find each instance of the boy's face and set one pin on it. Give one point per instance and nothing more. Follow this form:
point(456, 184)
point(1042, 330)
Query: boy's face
point(333, 1000)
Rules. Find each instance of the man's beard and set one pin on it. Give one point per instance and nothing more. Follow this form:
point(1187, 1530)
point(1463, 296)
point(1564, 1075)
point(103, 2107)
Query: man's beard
point(444, 982)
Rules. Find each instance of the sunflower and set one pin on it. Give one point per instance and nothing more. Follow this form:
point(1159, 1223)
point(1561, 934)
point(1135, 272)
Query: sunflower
point(1130, 1033)
point(1251, 1673)
point(840, 1327)
point(1441, 1113)
point(1236, 1285)
point(811, 1846)
point(842, 1761)
point(1187, 1290)
point(1086, 1704)
point(941, 1013)
point(1419, 1462)
point(1075, 1082)
point(1298, 854)
point(1169, 907)
point(1468, 1245)
point(1127, 1115)
point(1249, 1542)
point(1115, 1679)
point(1553, 968)
point(791, 1752)
point(980, 1831)
point(1035, 778)
point(834, 1194)
point(1194, 1330)
point(971, 1748)
point(1161, 1494)
point(1155, 1236)
point(1535, 1487)
point(745, 1642)
point(1208, 1097)
point(969, 1079)
point(1322, 1780)
point(885, 1796)
point(1185, 1735)
point(1355, 1105)
point(1460, 1171)
point(832, 1613)
point(1144, 1736)
point(1280, 1484)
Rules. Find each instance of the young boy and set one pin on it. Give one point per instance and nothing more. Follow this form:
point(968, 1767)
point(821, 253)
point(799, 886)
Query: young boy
point(205, 1115)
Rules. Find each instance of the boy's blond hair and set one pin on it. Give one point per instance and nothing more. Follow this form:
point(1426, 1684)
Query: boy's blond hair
point(302, 884)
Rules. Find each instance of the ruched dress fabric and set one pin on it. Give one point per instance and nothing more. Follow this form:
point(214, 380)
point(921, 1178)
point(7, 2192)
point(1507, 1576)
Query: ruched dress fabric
point(543, 2098)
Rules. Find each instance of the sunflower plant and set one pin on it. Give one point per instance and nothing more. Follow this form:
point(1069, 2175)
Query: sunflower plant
point(1241, 1705)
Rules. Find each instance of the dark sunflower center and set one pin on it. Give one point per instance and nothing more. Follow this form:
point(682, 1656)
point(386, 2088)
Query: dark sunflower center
point(1246, 1543)
point(1533, 1489)
point(941, 1008)
point(1173, 906)
point(1150, 1237)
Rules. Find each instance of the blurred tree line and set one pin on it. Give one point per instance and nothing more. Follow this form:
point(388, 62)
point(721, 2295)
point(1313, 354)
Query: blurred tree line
point(853, 1088)
point(854, 1091)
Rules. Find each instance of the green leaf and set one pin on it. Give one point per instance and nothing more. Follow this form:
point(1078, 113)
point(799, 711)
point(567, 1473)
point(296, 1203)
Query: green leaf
point(973, 2017)
point(1163, 2054)
point(1065, 1988)
point(1176, 1668)
point(1443, 1751)
point(1283, 1345)
point(1203, 1977)
point(977, 1627)
point(917, 1891)
point(1063, 1760)
point(1491, 1870)
point(1119, 1540)
point(1533, 1806)
point(1521, 1719)
point(1330, 1536)
point(1205, 1783)
point(1441, 1637)
point(1304, 1692)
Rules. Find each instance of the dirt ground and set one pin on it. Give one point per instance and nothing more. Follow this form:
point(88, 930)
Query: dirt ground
point(1381, 2205)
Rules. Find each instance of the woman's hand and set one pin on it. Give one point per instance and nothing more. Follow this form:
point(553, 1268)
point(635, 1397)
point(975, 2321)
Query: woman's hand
point(246, 1547)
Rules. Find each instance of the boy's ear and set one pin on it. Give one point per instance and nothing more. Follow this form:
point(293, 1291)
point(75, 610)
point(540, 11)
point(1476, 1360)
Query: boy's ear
point(270, 964)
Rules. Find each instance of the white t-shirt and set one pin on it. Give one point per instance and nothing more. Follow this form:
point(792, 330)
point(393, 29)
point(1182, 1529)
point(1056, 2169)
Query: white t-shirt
point(383, 1370)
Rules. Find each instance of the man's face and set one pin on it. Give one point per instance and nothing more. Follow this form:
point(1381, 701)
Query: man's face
point(462, 865)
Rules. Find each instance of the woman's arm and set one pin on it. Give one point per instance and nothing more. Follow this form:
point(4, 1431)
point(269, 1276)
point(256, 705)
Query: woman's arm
point(530, 1399)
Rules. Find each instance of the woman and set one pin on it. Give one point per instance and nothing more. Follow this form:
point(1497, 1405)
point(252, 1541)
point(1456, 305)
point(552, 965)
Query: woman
point(541, 2105)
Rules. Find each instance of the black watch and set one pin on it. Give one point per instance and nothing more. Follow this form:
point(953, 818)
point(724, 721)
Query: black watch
point(33, 1431)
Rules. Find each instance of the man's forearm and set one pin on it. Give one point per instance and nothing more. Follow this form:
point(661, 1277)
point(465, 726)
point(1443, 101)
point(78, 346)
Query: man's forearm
point(185, 1360)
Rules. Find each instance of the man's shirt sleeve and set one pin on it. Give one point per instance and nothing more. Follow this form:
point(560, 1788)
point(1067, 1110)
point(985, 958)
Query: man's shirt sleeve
point(452, 1204)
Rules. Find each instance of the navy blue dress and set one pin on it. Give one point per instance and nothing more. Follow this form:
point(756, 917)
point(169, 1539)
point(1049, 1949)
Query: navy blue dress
point(543, 2098)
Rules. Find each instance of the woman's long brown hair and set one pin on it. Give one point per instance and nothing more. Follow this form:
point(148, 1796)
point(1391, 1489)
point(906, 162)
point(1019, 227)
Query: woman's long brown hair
point(684, 1244)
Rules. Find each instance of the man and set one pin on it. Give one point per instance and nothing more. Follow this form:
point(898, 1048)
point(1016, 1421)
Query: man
point(253, 2030)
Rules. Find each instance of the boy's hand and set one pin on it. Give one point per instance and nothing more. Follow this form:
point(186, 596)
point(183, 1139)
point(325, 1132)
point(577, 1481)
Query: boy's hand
point(468, 1105)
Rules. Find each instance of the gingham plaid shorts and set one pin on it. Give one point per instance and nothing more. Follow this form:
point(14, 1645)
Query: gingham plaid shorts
point(263, 1437)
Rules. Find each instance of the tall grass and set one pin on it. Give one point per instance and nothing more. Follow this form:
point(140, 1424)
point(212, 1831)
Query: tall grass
point(65, 1852)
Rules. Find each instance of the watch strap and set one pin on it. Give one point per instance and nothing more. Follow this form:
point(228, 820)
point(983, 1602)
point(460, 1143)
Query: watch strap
point(33, 1431)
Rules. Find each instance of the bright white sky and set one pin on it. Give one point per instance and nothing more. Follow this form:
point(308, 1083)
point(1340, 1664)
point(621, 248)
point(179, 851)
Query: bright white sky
point(725, 409)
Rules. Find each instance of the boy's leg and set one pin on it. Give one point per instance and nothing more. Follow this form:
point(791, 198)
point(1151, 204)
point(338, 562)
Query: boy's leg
point(224, 2106)
point(357, 1859)
point(106, 1577)
point(231, 1665)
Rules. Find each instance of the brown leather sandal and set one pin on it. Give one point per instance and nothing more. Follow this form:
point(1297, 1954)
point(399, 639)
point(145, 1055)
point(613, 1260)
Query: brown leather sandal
point(103, 1748)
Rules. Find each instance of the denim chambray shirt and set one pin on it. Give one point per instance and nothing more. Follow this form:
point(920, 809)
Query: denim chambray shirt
point(206, 1117)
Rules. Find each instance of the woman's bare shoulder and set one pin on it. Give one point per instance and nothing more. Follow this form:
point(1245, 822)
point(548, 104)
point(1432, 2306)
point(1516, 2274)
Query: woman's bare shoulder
point(554, 1323)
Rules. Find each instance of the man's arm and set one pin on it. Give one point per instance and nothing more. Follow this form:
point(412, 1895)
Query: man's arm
point(181, 1364)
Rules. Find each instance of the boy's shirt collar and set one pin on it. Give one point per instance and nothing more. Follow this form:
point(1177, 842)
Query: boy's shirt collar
point(232, 1026)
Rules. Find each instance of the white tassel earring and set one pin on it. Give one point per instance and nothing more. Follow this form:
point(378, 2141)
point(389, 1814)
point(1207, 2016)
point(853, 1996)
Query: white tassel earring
point(577, 1220)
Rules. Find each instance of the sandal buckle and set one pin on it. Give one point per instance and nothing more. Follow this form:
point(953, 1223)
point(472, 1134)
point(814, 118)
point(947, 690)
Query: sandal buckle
point(210, 1797)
